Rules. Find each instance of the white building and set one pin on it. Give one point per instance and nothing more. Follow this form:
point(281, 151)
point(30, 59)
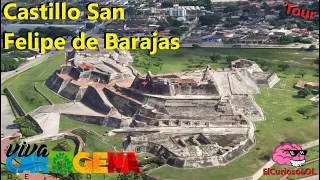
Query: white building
point(178, 12)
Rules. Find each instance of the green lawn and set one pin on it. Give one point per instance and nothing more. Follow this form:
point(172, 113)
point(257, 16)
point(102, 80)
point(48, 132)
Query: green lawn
point(68, 124)
point(22, 85)
point(141, 156)
point(93, 144)
point(173, 63)
point(55, 99)
point(277, 104)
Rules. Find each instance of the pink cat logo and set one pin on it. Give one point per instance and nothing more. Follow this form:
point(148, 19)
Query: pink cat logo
point(290, 154)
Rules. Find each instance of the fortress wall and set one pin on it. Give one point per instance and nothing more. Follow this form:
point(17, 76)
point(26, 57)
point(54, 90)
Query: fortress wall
point(136, 82)
point(247, 79)
point(85, 75)
point(45, 138)
point(125, 106)
point(237, 151)
point(65, 70)
point(116, 67)
point(246, 106)
point(114, 122)
point(162, 89)
point(92, 99)
point(202, 89)
point(143, 119)
point(71, 136)
point(191, 111)
point(78, 141)
point(126, 143)
point(97, 120)
point(74, 73)
point(70, 91)
point(38, 128)
point(154, 102)
point(54, 82)
point(192, 102)
point(260, 112)
point(132, 94)
point(198, 162)
point(273, 80)
point(64, 84)
point(80, 93)
point(251, 131)
point(104, 78)
point(14, 102)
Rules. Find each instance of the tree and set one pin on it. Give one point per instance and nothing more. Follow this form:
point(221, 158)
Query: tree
point(288, 119)
point(8, 63)
point(305, 110)
point(310, 28)
point(161, 28)
point(195, 46)
point(207, 4)
point(312, 47)
point(297, 39)
point(231, 8)
point(286, 40)
point(131, 10)
point(306, 41)
point(166, 4)
point(175, 31)
point(302, 73)
point(62, 146)
point(90, 25)
point(209, 19)
point(302, 93)
point(283, 66)
point(231, 58)
point(23, 32)
point(214, 58)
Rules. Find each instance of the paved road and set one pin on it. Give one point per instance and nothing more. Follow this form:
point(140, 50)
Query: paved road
point(270, 163)
point(7, 117)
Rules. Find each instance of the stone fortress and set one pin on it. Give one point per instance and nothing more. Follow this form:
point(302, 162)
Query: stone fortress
point(192, 119)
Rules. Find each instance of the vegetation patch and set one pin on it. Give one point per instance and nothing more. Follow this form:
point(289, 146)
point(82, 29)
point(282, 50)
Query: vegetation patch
point(12, 60)
point(27, 127)
point(22, 85)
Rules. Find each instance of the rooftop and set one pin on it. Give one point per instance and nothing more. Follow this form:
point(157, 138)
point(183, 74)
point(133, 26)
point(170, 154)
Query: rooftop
point(301, 84)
